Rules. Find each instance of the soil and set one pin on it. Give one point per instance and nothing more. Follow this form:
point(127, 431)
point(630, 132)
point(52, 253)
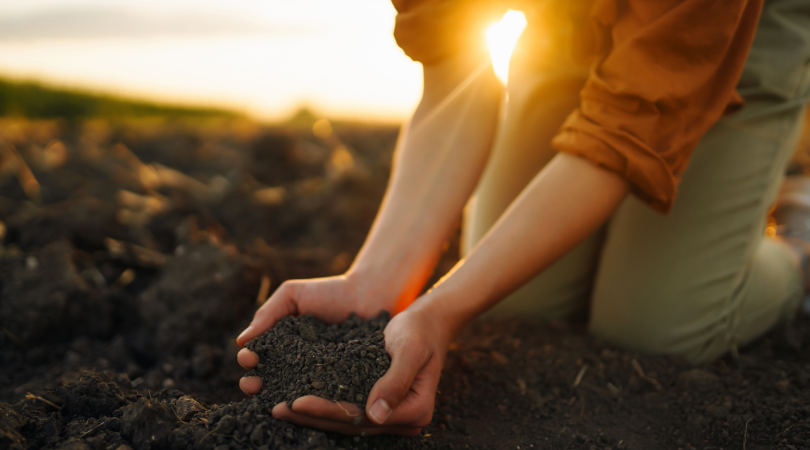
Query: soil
point(121, 297)
point(302, 356)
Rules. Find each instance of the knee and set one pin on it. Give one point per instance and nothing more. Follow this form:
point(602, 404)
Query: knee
point(659, 331)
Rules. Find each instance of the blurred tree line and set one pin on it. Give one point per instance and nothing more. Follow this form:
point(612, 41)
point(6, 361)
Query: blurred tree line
point(32, 100)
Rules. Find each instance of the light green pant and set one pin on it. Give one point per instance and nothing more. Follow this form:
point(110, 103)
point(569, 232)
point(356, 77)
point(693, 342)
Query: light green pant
point(703, 279)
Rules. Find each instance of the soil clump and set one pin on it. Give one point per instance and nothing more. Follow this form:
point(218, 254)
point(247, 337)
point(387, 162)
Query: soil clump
point(302, 356)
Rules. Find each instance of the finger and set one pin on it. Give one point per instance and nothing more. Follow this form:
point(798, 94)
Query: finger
point(279, 305)
point(283, 412)
point(247, 359)
point(392, 388)
point(322, 408)
point(250, 385)
point(348, 413)
point(416, 409)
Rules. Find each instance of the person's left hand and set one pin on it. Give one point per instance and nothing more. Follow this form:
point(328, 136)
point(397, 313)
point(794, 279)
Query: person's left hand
point(401, 402)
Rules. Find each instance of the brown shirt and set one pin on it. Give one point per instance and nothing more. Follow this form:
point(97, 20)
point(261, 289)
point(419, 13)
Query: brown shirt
point(661, 73)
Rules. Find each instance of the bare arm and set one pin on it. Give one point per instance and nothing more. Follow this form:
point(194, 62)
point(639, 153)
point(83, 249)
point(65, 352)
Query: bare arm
point(439, 158)
point(566, 201)
point(438, 161)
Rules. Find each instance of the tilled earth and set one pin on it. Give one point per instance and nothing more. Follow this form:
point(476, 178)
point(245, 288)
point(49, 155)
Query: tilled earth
point(133, 252)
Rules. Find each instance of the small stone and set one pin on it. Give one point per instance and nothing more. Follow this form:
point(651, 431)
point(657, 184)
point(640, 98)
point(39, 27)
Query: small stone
point(186, 407)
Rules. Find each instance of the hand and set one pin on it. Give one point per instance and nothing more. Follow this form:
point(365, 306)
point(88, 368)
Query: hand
point(330, 299)
point(401, 402)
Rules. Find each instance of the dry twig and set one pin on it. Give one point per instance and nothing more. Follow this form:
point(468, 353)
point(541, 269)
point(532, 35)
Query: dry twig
point(745, 435)
point(31, 396)
point(178, 417)
point(12, 159)
point(264, 289)
point(581, 374)
point(786, 430)
point(640, 372)
point(203, 438)
point(132, 253)
point(92, 429)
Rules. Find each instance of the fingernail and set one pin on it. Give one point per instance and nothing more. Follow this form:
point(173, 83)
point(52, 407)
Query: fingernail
point(247, 331)
point(380, 411)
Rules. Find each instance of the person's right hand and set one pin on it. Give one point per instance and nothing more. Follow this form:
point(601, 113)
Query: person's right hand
point(401, 402)
point(330, 299)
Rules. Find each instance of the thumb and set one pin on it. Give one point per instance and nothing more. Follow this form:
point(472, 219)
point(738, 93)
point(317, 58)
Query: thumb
point(281, 304)
point(393, 387)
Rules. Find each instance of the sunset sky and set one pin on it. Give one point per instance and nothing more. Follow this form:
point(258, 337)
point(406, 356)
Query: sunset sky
point(263, 57)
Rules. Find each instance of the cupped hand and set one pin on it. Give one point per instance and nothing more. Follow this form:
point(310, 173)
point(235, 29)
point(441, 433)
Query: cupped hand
point(330, 299)
point(401, 402)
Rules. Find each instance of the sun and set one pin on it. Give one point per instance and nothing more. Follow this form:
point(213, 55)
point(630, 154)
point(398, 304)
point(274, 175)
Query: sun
point(502, 38)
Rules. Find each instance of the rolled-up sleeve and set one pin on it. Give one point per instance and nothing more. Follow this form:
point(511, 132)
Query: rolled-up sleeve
point(428, 31)
point(667, 72)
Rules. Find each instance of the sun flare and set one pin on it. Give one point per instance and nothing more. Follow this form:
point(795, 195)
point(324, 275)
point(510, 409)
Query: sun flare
point(502, 38)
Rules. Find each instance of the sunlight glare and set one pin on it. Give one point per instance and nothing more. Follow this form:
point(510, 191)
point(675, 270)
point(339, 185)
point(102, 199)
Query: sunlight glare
point(502, 38)
point(338, 59)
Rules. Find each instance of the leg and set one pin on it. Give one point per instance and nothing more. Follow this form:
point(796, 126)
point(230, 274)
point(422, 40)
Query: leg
point(704, 280)
point(539, 100)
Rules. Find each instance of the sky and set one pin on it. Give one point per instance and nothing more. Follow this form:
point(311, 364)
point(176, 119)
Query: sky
point(266, 58)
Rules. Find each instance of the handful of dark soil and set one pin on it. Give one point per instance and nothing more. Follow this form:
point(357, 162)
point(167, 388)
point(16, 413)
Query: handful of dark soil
point(303, 356)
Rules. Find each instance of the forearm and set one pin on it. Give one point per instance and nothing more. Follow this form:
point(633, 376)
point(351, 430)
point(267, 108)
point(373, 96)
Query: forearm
point(564, 204)
point(438, 161)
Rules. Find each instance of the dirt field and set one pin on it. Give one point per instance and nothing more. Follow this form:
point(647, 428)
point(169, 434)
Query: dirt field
point(133, 252)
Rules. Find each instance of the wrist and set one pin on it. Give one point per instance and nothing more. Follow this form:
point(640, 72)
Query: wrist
point(381, 285)
point(440, 309)
point(393, 282)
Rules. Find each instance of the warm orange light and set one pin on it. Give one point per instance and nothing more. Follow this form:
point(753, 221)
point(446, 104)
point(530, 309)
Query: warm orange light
point(502, 38)
point(322, 129)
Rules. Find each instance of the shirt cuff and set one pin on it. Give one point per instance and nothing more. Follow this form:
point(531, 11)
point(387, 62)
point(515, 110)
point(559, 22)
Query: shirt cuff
point(651, 178)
